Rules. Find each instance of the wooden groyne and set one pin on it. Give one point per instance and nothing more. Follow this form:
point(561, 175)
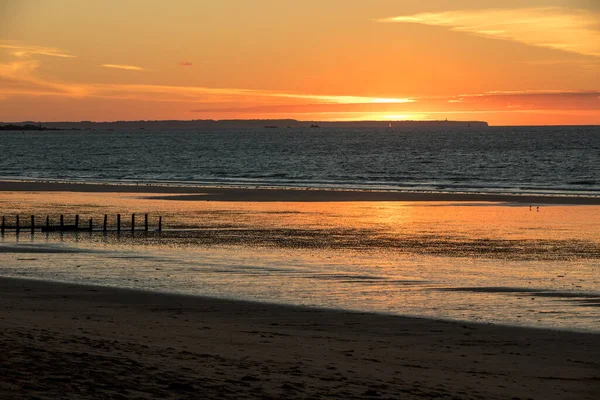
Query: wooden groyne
point(16, 224)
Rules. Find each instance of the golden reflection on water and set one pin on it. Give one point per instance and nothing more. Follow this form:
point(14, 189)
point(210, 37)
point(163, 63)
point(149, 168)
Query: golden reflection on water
point(451, 220)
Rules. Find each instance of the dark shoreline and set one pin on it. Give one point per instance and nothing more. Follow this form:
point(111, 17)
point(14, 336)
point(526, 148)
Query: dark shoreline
point(98, 342)
point(233, 194)
point(181, 298)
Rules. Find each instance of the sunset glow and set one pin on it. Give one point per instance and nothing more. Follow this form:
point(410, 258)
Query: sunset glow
point(526, 63)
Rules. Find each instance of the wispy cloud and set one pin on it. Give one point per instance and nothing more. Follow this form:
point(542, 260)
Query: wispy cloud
point(19, 78)
point(575, 31)
point(20, 50)
point(205, 94)
point(346, 99)
point(122, 66)
point(185, 64)
point(18, 70)
point(559, 92)
point(24, 81)
point(482, 102)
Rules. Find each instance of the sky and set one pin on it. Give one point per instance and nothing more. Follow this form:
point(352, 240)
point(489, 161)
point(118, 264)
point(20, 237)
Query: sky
point(509, 63)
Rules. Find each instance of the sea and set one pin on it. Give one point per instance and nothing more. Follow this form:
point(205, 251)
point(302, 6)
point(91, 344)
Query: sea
point(518, 264)
point(534, 160)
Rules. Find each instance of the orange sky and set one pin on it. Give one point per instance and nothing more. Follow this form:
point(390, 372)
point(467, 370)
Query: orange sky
point(529, 62)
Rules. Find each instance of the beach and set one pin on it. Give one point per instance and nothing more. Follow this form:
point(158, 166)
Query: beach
point(257, 194)
point(300, 200)
point(71, 341)
point(274, 293)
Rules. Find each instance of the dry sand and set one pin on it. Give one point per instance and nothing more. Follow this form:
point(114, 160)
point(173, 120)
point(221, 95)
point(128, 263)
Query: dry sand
point(292, 195)
point(69, 341)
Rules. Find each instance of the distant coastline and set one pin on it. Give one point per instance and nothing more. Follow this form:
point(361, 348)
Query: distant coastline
point(233, 124)
point(26, 127)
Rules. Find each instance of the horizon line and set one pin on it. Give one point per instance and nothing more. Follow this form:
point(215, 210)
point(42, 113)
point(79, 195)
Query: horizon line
point(282, 119)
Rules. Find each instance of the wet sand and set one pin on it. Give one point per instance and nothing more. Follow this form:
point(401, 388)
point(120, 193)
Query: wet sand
point(69, 341)
point(191, 193)
point(64, 340)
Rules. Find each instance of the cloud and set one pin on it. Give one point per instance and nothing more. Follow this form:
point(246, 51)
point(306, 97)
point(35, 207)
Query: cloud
point(185, 64)
point(18, 78)
point(575, 31)
point(346, 99)
point(18, 70)
point(205, 94)
point(22, 51)
point(483, 102)
point(121, 66)
point(556, 92)
point(527, 100)
point(21, 74)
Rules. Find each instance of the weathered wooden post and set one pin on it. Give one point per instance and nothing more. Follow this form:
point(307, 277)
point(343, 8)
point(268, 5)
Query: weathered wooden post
point(146, 222)
point(2, 226)
point(47, 222)
point(32, 224)
point(17, 226)
point(132, 223)
point(118, 222)
point(159, 224)
point(91, 224)
point(77, 222)
point(62, 222)
point(105, 222)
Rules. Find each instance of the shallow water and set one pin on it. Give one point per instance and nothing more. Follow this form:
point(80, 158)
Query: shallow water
point(559, 295)
point(483, 262)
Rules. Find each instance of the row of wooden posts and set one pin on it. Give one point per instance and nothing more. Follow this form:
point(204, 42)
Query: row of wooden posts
point(67, 228)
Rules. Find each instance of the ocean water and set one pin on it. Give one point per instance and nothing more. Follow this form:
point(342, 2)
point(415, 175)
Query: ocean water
point(545, 160)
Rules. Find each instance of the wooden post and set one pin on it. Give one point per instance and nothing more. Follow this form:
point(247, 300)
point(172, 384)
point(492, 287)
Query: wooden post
point(77, 222)
point(146, 222)
point(118, 222)
point(105, 222)
point(132, 222)
point(47, 221)
point(18, 227)
point(91, 224)
point(62, 222)
point(159, 224)
point(2, 226)
point(32, 224)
